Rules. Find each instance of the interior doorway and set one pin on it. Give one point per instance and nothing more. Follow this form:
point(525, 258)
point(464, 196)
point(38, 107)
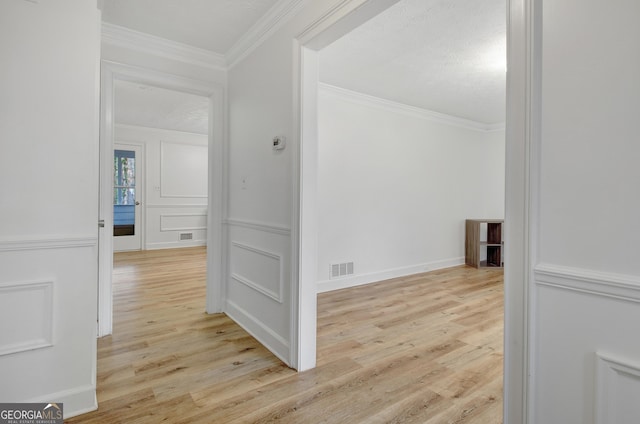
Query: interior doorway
point(215, 203)
point(521, 167)
point(308, 251)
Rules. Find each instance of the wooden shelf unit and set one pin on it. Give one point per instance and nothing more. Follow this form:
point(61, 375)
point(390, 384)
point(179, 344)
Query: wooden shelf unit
point(484, 245)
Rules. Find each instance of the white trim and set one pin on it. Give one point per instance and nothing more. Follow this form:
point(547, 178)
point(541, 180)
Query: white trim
point(266, 336)
point(181, 206)
point(132, 73)
point(75, 400)
point(164, 229)
point(412, 111)
point(257, 287)
point(47, 325)
point(268, 24)
point(59, 242)
point(277, 296)
point(260, 226)
point(376, 277)
point(146, 43)
point(217, 193)
point(609, 370)
point(339, 18)
point(617, 286)
point(521, 209)
point(182, 196)
point(175, 244)
point(159, 130)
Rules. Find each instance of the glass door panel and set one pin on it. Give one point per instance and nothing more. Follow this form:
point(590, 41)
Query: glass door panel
point(124, 193)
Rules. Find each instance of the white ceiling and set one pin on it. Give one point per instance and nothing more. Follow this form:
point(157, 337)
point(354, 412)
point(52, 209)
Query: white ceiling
point(214, 25)
point(153, 107)
point(446, 56)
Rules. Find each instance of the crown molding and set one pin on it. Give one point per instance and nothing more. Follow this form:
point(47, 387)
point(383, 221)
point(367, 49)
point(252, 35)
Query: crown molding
point(145, 43)
point(416, 112)
point(273, 20)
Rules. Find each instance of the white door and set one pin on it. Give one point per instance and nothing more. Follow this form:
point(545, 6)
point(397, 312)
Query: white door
point(127, 197)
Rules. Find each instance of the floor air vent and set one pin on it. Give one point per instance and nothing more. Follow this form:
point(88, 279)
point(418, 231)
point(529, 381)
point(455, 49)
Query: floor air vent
point(340, 270)
point(186, 236)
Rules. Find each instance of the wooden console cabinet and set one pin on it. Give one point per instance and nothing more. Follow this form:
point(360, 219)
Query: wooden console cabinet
point(484, 245)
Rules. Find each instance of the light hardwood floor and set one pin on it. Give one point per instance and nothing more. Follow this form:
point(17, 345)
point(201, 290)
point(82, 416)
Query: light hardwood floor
point(419, 349)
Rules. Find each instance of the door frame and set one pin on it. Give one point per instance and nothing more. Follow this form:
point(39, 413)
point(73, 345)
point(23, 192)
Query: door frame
point(521, 195)
point(140, 186)
point(217, 180)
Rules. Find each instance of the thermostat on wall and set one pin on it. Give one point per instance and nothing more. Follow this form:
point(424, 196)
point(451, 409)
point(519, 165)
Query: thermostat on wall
point(279, 142)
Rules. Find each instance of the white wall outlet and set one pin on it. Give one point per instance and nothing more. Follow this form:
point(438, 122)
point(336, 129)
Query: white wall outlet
point(279, 142)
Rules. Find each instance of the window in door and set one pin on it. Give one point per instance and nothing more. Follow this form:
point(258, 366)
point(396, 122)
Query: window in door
point(124, 192)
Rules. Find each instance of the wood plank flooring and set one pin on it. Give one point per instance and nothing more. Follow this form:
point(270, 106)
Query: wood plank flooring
point(419, 349)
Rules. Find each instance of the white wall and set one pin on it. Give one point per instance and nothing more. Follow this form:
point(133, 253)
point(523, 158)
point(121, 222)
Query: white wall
point(263, 88)
point(260, 197)
point(261, 92)
point(175, 185)
point(395, 186)
point(49, 201)
point(587, 277)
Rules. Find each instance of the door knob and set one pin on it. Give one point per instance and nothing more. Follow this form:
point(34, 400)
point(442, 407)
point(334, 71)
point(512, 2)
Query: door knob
point(137, 203)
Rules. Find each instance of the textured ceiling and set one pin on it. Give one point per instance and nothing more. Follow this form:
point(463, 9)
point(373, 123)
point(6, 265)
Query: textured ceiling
point(214, 25)
point(154, 107)
point(448, 56)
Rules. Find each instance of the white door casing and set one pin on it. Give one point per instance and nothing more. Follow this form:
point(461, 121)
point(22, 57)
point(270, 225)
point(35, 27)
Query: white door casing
point(521, 200)
point(110, 72)
point(339, 21)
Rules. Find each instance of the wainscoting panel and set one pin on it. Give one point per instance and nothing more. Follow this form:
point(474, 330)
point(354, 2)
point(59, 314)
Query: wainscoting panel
point(48, 310)
point(183, 221)
point(173, 226)
point(174, 206)
point(576, 313)
point(258, 288)
point(31, 305)
point(258, 269)
point(618, 390)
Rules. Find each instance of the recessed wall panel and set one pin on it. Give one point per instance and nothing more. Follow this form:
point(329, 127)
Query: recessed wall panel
point(183, 222)
point(26, 316)
point(618, 386)
point(182, 169)
point(258, 269)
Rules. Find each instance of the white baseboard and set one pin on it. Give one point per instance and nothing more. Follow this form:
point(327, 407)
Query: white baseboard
point(75, 401)
point(175, 244)
point(272, 341)
point(374, 277)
